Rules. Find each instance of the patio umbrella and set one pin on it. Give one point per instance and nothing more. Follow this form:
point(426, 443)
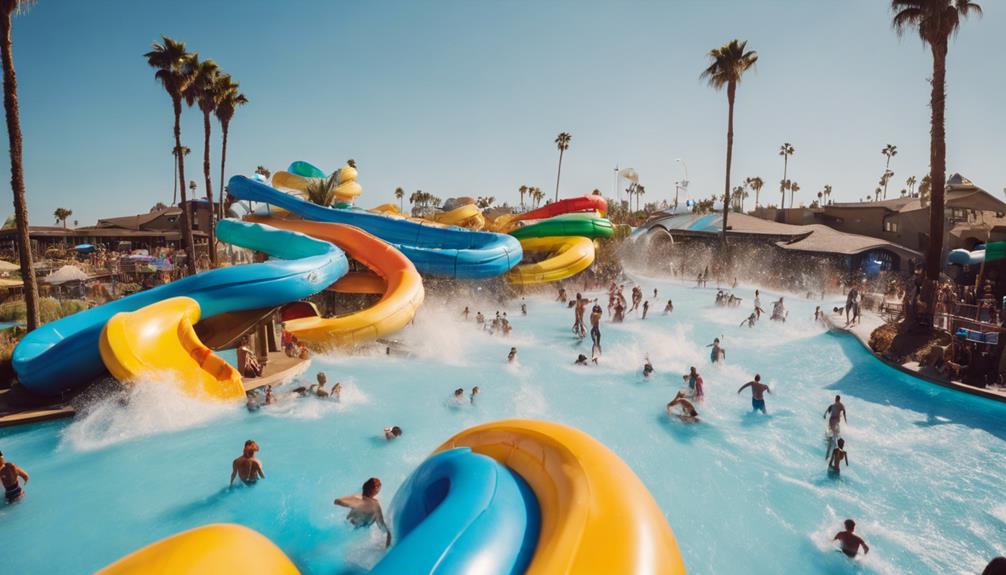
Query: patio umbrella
point(66, 274)
point(84, 248)
point(8, 267)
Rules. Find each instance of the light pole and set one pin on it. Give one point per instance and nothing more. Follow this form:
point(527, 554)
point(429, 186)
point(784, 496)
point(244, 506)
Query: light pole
point(681, 185)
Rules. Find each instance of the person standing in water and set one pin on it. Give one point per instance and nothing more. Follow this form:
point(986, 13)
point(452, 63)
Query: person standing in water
point(757, 304)
point(247, 467)
point(512, 355)
point(580, 307)
point(595, 330)
point(647, 368)
point(475, 392)
point(835, 414)
point(669, 307)
point(695, 384)
point(11, 476)
point(838, 455)
point(365, 509)
point(646, 308)
point(717, 353)
point(849, 541)
point(758, 390)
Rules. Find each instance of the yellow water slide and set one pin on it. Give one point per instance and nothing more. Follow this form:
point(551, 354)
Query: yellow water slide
point(596, 515)
point(346, 190)
point(208, 550)
point(160, 339)
point(392, 274)
point(565, 256)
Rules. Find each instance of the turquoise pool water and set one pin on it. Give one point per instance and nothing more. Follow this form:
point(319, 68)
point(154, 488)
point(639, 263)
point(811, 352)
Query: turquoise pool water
point(744, 493)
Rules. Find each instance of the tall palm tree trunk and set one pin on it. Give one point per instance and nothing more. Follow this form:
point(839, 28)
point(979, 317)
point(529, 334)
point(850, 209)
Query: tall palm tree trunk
point(17, 175)
point(557, 174)
point(223, 162)
point(887, 168)
point(782, 184)
point(211, 232)
point(937, 163)
point(731, 92)
point(187, 243)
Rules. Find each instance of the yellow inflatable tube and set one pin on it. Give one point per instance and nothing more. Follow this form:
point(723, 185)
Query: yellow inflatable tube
point(166, 326)
point(466, 216)
point(403, 293)
point(208, 550)
point(597, 516)
point(568, 256)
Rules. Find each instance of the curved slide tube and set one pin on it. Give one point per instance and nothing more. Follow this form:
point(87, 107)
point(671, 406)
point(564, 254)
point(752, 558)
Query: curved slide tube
point(160, 338)
point(567, 256)
point(467, 216)
point(402, 286)
point(461, 512)
point(565, 206)
point(345, 190)
point(966, 258)
point(64, 354)
point(446, 252)
point(597, 516)
point(587, 225)
point(217, 548)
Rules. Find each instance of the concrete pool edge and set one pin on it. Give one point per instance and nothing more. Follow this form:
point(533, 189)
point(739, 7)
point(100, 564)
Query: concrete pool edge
point(862, 335)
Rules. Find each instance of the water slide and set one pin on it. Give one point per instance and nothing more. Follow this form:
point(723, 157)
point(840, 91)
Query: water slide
point(565, 256)
point(392, 275)
point(301, 174)
point(589, 203)
point(501, 498)
point(966, 258)
point(64, 354)
point(160, 338)
point(586, 224)
point(438, 251)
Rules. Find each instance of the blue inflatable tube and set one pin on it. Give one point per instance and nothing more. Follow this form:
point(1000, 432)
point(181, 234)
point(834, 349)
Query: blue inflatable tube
point(63, 354)
point(966, 258)
point(450, 251)
point(462, 513)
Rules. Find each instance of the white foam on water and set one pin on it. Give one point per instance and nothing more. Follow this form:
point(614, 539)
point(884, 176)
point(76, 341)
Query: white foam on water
point(151, 406)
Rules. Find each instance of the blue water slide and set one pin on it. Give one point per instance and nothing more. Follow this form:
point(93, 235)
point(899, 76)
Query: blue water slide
point(63, 354)
point(462, 512)
point(967, 258)
point(445, 251)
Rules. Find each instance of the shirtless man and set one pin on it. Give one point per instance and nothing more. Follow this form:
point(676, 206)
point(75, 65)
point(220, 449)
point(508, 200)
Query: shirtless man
point(619, 311)
point(669, 307)
point(647, 368)
point(512, 355)
point(365, 509)
point(717, 353)
point(835, 413)
point(646, 308)
point(758, 390)
point(9, 476)
point(392, 432)
point(247, 467)
point(595, 330)
point(688, 413)
point(475, 392)
point(757, 304)
point(838, 455)
point(849, 541)
point(465, 312)
point(459, 396)
point(750, 321)
point(581, 305)
point(320, 391)
point(580, 360)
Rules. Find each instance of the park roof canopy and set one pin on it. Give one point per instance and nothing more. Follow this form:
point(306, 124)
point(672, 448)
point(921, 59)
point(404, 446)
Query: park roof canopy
point(66, 274)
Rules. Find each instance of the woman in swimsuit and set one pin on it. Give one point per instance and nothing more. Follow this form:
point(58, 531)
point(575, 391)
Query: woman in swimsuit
point(10, 474)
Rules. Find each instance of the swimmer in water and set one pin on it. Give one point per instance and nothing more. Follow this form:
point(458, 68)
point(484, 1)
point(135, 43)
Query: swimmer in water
point(646, 308)
point(849, 541)
point(320, 390)
point(523, 308)
point(750, 321)
point(392, 432)
point(595, 330)
point(758, 390)
point(580, 360)
point(695, 384)
point(365, 509)
point(475, 392)
point(479, 318)
point(580, 306)
point(247, 467)
point(835, 413)
point(717, 353)
point(838, 455)
point(336, 394)
point(647, 368)
point(11, 476)
point(269, 398)
point(465, 312)
point(512, 355)
point(688, 412)
point(252, 403)
point(459, 396)
point(669, 307)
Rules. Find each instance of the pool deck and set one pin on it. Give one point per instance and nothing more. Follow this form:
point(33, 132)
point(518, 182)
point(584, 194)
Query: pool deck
point(34, 415)
point(280, 369)
point(870, 321)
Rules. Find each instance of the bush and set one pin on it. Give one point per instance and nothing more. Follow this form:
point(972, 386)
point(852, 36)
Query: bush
point(50, 309)
point(12, 311)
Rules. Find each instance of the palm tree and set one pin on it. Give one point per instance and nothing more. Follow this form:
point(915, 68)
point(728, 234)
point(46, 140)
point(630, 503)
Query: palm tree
point(886, 177)
point(876, 193)
point(485, 202)
point(820, 198)
point(935, 21)
point(170, 59)
point(640, 191)
point(561, 142)
point(756, 184)
point(322, 190)
point(522, 190)
point(827, 193)
point(185, 151)
point(729, 62)
point(400, 196)
point(786, 150)
point(202, 91)
point(537, 195)
point(925, 187)
point(229, 100)
point(793, 189)
point(10, 8)
point(262, 171)
point(738, 195)
point(890, 150)
point(910, 182)
point(61, 215)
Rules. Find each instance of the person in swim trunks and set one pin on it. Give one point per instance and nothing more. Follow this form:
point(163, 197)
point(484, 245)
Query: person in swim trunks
point(838, 455)
point(247, 467)
point(695, 384)
point(849, 541)
point(835, 413)
point(647, 368)
point(688, 412)
point(10, 476)
point(717, 353)
point(580, 360)
point(595, 330)
point(758, 390)
point(512, 355)
point(365, 509)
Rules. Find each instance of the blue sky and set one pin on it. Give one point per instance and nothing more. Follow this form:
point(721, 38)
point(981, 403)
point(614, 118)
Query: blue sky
point(466, 97)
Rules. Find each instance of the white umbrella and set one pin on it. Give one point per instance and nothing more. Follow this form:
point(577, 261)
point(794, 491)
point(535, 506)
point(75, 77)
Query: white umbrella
point(8, 267)
point(630, 174)
point(66, 274)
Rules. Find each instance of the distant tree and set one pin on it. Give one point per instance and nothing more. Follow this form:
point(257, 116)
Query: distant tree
point(756, 184)
point(203, 92)
point(321, 191)
point(910, 182)
point(61, 215)
point(561, 142)
point(793, 189)
point(522, 190)
point(827, 193)
point(727, 66)
point(179, 157)
point(158, 207)
point(262, 171)
point(786, 150)
point(400, 195)
point(230, 99)
point(890, 150)
point(485, 202)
